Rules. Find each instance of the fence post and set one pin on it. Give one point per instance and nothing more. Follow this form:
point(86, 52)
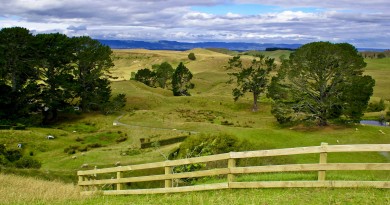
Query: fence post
point(231, 164)
point(168, 182)
point(81, 179)
point(323, 160)
point(119, 175)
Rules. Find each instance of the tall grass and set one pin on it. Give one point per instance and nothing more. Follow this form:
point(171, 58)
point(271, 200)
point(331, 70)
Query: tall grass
point(27, 190)
point(296, 196)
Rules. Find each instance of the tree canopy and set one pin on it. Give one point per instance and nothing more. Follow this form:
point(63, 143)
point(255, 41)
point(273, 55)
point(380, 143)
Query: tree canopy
point(319, 82)
point(252, 78)
point(164, 73)
point(181, 81)
point(46, 72)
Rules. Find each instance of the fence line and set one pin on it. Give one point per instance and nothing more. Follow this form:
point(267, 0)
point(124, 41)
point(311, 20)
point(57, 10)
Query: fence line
point(89, 182)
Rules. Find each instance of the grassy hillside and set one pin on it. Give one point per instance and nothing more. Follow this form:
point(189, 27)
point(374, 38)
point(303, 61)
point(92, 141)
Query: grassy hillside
point(154, 113)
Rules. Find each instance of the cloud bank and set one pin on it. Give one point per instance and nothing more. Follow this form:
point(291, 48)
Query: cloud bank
point(363, 23)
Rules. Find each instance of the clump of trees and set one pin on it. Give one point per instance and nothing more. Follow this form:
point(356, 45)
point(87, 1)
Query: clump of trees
point(50, 72)
point(164, 76)
point(250, 78)
point(319, 82)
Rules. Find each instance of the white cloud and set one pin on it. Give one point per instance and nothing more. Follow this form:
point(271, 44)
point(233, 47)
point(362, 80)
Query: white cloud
point(364, 23)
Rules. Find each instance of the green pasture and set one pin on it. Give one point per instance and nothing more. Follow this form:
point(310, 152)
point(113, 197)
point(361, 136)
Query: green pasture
point(154, 113)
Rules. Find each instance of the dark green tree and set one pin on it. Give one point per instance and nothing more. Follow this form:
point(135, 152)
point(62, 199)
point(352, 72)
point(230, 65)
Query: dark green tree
point(55, 65)
point(17, 71)
point(192, 56)
point(252, 78)
point(321, 81)
point(115, 104)
point(164, 73)
point(92, 64)
point(146, 77)
point(181, 81)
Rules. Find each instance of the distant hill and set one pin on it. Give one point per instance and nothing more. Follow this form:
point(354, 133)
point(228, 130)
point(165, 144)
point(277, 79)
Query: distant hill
point(181, 46)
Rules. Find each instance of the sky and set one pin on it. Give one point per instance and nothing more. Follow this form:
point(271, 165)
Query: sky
point(365, 24)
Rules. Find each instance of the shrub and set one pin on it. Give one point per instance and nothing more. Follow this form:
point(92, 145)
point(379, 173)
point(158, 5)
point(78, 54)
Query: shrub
point(13, 155)
point(78, 139)
point(191, 56)
point(381, 55)
point(28, 162)
point(82, 149)
point(5, 127)
point(95, 145)
point(376, 106)
point(71, 149)
point(121, 139)
point(3, 160)
point(202, 145)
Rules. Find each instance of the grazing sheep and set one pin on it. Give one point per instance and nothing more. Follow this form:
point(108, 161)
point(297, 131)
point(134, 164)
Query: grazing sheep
point(50, 137)
point(74, 157)
point(118, 163)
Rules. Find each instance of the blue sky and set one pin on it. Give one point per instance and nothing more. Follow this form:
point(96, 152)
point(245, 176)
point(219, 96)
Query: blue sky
point(365, 24)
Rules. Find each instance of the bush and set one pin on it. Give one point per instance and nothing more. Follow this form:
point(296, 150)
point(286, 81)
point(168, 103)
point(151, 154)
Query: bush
point(203, 145)
point(28, 162)
point(376, 106)
point(381, 55)
point(5, 127)
point(71, 149)
point(95, 145)
point(3, 160)
point(191, 56)
point(121, 139)
point(13, 155)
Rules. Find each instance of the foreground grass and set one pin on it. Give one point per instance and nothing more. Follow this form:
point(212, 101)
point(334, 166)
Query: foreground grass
point(255, 196)
point(24, 190)
point(27, 190)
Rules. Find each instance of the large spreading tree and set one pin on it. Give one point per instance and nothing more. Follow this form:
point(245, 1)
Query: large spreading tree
point(93, 61)
point(49, 72)
point(321, 81)
point(251, 78)
point(56, 54)
point(17, 71)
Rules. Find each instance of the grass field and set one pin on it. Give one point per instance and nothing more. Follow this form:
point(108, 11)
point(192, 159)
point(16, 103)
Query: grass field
point(155, 113)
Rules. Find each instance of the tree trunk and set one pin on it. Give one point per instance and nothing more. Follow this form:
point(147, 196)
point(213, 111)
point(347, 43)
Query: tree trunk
point(322, 121)
point(255, 97)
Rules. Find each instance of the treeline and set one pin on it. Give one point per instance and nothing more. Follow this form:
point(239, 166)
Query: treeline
point(45, 73)
point(373, 54)
point(278, 48)
point(163, 75)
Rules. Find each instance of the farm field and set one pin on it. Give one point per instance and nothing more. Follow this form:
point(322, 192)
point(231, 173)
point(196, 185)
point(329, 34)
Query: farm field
point(95, 140)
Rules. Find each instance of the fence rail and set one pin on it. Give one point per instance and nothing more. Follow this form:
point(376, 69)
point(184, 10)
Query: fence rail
point(89, 182)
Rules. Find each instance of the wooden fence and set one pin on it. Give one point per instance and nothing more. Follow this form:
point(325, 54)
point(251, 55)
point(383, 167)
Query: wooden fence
point(90, 182)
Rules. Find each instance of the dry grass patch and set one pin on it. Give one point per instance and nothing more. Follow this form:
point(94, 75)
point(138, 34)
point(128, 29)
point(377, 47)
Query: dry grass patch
point(27, 190)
